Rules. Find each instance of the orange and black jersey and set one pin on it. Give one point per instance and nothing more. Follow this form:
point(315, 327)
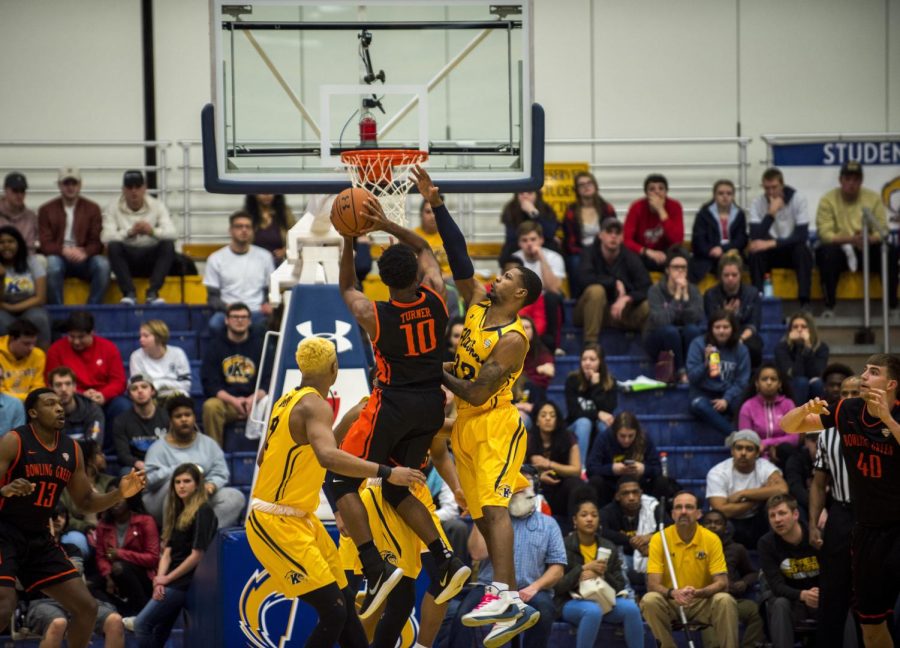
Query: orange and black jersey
point(49, 468)
point(872, 455)
point(408, 342)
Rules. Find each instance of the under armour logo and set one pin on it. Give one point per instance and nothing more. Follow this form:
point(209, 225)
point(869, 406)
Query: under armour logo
point(339, 338)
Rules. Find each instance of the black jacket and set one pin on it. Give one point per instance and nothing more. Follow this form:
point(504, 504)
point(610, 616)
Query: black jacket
point(588, 402)
point(707, 232)
point(796, 359)
point(748, 315)
point(789, 569)
point(575, 560)
point(627, 267)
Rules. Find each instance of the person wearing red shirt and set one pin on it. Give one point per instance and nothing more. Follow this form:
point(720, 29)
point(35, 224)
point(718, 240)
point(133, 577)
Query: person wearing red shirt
point(97, 363)
point(654, 223)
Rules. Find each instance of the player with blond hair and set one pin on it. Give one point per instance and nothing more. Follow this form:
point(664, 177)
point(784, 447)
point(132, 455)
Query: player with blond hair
point(282, 529)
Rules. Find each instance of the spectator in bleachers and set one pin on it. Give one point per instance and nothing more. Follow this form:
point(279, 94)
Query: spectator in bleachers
point(165, 365)
point(12, 413)
point(839, 226)
point(549, 265)
point(779, 229)
point(126, 550)
point(742, 301)
point(742, 580)
point(96, 362)
point(14, 212)
point(190, 527)
point(239, 273)
point(614, 282)
point(591, 397)
point(137, 429)
point(629, 521)
point(140, 238)
point(24, 281)
point(790, 566)
point(272, 218)
point(84, 418)
point(523, 207)
point(553, 451)
point(229, 373)
point(581, 224)
point(185, 444)
point(95, 469)
point(428, 230)
point(539, 367)
point(451, 340)
point(654, 223)
point(798, 471)
point(676, 314)
point(540, 559)
point(801, 357)
point(718, 368)
point(833, 376)
point(590, 555)
point(69, 231)
point(768, 399)
point(739, 486)
point(701, 573)
point(22, 362)
point(720, 227)
point(623, 450)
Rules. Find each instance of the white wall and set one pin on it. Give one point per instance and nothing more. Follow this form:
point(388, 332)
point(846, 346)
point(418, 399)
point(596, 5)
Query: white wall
point(607, 68)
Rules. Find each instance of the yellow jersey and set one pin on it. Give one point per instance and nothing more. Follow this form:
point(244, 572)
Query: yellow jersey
point(290, 474)
point(475, 346)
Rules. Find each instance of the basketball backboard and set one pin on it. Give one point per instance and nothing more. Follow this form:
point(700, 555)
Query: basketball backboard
point(298, 82)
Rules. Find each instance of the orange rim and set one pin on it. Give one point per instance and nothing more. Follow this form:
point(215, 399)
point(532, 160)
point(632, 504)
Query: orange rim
point(376, 165)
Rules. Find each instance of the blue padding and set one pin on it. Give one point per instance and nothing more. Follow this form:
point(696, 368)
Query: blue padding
point(242, 466)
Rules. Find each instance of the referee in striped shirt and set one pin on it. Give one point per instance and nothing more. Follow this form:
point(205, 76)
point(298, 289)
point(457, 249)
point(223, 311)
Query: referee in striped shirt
point(834, 543)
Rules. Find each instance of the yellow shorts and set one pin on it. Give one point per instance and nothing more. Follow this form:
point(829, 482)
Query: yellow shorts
point(296, 551)
point(489, 448)
point(395, 540)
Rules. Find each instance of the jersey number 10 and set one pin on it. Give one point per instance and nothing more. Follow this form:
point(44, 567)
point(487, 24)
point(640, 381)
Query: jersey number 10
point(422, 339)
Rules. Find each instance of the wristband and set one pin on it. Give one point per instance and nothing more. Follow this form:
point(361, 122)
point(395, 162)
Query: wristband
point(384, 472)
point(669, 592)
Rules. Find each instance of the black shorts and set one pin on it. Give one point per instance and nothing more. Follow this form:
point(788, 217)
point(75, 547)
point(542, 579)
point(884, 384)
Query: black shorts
point(875, 556)
point(396, 426)
point(35, 558)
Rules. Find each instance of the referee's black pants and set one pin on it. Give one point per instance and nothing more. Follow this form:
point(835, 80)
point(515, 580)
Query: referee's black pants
point(835, 583)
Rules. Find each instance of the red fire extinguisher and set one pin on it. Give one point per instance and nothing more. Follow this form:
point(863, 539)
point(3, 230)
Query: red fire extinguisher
point(368, 127)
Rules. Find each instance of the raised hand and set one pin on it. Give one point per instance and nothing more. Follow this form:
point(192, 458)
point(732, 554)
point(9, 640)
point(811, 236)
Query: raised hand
point(816, 406)
point(374, 212)
point(17, 488)
point(132, 483)
point(426, 187)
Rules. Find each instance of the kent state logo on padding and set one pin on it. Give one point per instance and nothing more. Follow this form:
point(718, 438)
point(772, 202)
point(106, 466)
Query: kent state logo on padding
point(339, 337)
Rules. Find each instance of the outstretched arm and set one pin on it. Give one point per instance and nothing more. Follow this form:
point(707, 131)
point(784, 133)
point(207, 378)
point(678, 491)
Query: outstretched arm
point(506, 358)
point(360, 306)
point(806, 417)
point(452, 236)
point(90, 501)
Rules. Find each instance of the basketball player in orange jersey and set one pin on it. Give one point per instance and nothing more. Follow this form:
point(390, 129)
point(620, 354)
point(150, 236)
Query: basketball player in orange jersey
point(488, 438)
point(406, 408)
point(282, 529)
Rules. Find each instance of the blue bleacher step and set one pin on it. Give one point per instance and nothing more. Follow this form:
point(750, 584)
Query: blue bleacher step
point(116, 317)
point(771, 334)
point(621, 367)
point(694, 462)
point(772, 310)
point(242, 466)
point(613, 341)
point(678, 430)
point(671, 400)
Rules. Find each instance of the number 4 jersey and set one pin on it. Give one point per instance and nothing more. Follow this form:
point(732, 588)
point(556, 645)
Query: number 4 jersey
point(49, 468)
point(872, 455)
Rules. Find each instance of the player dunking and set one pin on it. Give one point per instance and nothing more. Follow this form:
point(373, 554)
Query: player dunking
point(37, 461)
point(406, 408)
point(283, 531)
point(488, 438)
point(869, 428)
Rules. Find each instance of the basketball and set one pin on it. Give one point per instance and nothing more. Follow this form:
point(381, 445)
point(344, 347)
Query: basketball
point(346, 211)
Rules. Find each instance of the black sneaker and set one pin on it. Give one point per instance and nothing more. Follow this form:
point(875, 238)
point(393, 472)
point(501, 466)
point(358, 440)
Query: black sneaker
point(451, 578)
point(376, 594)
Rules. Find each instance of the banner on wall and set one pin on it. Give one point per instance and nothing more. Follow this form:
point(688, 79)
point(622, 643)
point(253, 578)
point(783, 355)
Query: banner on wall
point(813, 169)
point(559, 184)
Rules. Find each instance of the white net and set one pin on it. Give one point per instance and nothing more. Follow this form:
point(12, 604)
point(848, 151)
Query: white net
point(384, 172)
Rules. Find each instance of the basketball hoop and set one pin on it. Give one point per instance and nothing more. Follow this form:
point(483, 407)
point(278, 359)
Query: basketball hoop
point(384, 172)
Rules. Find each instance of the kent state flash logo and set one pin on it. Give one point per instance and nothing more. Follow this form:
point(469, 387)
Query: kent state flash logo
point(262, 627)
point(339, 337)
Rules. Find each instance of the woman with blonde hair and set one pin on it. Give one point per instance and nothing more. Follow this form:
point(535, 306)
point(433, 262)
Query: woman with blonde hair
point(802, 357)
point(189, 527)
point(166, 367)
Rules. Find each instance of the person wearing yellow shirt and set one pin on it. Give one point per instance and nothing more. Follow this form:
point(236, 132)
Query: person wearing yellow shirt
point(21, 361)
point(701, 574)
point(839, 224)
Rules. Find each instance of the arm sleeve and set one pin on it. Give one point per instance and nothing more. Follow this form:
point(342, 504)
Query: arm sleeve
point(629, 229)
point(454, 244)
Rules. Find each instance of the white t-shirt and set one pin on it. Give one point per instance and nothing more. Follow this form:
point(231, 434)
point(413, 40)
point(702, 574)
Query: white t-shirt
point(169, 374)
point(723, 479)
point(240, 277)
point(68, 239)
point(554, 260)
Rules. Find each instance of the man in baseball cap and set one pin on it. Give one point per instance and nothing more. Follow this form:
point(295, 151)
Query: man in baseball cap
point(69, 231)
point(14, 212)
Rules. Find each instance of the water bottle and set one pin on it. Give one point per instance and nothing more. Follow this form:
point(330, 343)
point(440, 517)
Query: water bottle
point(95, 431)
point(368, 128)
point(768, 288)
point(664, 462)
point(715, 363)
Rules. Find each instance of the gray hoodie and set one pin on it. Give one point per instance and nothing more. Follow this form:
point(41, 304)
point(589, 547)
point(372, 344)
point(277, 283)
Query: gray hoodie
point(163, 458)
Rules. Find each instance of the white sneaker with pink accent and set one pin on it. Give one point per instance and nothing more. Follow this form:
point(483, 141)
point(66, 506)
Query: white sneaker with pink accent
point(494, 606)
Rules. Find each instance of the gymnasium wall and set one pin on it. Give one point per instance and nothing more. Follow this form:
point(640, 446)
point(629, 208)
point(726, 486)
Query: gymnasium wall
point(607, 68)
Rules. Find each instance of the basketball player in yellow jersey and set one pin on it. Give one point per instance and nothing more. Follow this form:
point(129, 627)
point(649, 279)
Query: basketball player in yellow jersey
point(488, 438)
point(282, 529)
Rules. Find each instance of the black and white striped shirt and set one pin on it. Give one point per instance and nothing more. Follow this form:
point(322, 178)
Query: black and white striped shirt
point(830, 460)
